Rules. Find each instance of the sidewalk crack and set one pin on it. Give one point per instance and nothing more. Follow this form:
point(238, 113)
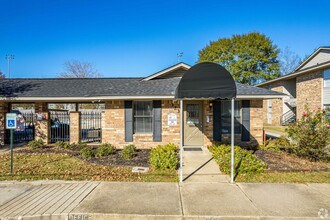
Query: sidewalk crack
point(260, 211)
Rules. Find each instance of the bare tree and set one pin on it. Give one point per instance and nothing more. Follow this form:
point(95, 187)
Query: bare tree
point(2, 75)
point(78, 69)
point(289, 61)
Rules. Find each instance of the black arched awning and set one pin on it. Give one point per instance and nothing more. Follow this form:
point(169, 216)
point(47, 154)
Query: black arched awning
point(206, 81)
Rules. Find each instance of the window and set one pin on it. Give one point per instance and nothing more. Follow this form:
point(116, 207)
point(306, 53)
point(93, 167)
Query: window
point(326, 77)
point(226, 117)
point(142, 116)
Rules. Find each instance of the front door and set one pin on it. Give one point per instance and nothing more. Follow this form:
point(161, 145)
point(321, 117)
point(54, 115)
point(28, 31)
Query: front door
point(193, 124)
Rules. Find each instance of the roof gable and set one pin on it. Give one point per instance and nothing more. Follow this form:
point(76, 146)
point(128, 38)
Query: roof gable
point(176, 70)
point(320, 56)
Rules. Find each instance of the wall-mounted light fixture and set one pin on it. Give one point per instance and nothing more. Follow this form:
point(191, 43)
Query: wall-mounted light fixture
point(210, 105)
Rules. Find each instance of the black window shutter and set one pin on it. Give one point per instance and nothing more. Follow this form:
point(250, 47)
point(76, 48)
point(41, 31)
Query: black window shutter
point(245, 120)
point(157, 121)
point(128, 121)
point(217, 121)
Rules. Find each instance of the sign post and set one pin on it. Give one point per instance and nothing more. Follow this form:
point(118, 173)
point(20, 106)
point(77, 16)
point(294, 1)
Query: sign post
point(11, 124)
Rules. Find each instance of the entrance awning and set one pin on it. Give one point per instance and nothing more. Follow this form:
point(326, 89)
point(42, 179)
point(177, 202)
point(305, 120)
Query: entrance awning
point(206, 81)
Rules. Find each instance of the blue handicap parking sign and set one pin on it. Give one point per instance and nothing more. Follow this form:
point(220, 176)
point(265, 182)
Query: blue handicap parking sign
point(11, 123)
point(11, 120)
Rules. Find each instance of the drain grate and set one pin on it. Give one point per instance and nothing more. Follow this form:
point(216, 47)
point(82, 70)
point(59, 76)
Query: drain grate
point(192, 149)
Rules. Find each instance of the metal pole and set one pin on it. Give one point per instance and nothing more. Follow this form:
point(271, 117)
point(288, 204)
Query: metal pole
point(11, 151)
point(8, 68)
point(181, 139)
point(232, 141)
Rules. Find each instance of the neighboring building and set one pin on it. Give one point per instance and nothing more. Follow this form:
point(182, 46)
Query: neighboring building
point(141, 111)
point(308, 86)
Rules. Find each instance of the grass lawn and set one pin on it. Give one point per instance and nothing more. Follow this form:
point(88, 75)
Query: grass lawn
point(286, 177)
point(54, 166)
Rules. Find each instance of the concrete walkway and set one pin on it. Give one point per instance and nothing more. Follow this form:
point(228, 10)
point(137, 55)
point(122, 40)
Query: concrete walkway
point(199, 166)
point(191, 200)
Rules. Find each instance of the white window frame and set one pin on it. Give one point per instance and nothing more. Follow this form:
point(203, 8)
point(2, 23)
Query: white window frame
point(326, 78)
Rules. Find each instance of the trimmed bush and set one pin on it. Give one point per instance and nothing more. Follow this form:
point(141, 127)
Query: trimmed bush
point(164, 157)
point(128, 152)
point(310, 136)
point(245, 161)
point(77, 146)
point(87, 152)
point(36, 144)
point(105, 149)
point(277, 145)
point(62, 144)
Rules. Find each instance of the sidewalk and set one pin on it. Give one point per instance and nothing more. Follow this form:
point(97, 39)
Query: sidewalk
point(191, 200)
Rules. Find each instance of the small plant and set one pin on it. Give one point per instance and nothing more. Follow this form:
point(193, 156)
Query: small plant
point(87, 152)
point(277, 145)
point(164, 157)
point(128, 152)
point(245, 162)
point(36, 144)
point(105, 150)
point(77, 147)
point(62, 144)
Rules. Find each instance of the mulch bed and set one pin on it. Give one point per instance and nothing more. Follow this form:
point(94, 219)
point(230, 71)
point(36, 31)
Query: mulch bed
point(286, 162)
point(141, 159)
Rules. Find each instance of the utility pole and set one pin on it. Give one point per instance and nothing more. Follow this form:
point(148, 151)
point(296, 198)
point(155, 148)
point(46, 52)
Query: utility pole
point(179, 55)
point(9, 57)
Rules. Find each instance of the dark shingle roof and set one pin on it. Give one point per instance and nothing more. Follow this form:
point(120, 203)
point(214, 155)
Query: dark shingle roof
point(94, 87)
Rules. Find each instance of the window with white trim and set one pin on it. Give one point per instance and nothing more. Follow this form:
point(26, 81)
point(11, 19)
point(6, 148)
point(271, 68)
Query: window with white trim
point(326, 78)
point(226, 117)
point(142, 111)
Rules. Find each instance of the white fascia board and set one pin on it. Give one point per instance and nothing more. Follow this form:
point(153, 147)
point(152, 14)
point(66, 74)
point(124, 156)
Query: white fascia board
point(294, 74)
point(167, 70)
point(308, 59)
point(109, 98)
point(90, 99)
point(260, 96)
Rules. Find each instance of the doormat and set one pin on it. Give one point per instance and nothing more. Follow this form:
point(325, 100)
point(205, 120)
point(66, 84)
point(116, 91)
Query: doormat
point(192, 149)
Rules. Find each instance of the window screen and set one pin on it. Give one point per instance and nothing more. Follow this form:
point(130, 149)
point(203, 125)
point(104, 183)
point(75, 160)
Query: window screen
point(142, 116)
point(226, 117)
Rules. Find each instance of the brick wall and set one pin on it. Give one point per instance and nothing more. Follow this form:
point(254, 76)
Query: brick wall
point(277, 105)
point(113, 126)
point(42, 128)
point(4, 108)
point(309, 92)
point(75, 134)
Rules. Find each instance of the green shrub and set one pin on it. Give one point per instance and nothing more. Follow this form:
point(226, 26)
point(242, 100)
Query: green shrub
point(245, 161)
point(87, 152)
point(310, 136)
point(77, 146)
point(36, 144)
point(277, 145)
point(105, 150)
point(62, 144)
point(128, 152)
point(164, 157)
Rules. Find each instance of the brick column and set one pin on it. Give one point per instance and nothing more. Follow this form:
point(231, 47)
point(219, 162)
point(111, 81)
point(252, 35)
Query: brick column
point(256, 122)
point(42, 128)
point(41, 107)
point(4, 108)
point(75, 127)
